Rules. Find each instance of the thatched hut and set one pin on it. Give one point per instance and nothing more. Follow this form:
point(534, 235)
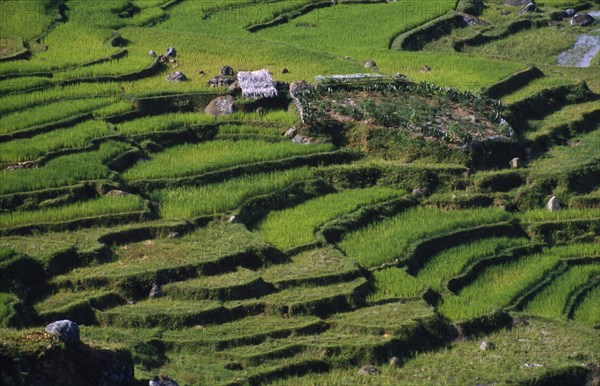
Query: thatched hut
point(257, 84)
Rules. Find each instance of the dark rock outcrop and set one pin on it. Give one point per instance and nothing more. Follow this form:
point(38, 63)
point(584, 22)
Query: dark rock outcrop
point(67, 331)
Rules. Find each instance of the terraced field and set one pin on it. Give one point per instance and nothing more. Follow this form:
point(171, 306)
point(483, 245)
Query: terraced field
point(384, 224)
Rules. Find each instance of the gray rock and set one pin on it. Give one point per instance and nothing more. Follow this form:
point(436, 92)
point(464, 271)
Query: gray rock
point(369, 370)
point(581, 20)
point(395, 362)
point(226, 71)
point(220, 81)
point(419, 192)
point(152, 53)
point(553, 204)
point(176, 76)
point(291, 133)
point(300, 139)
point(162, 380)
point(174, 235)
point(570, 12)
point(529, 7)
point(222, 105)
point(516, 163)
point(155, 292)
point(532, 365)
point(471, 20)
point(486, 345)
point(66, 331)
point(235, 88)
point(171, 52)
point(116, 192)
point(370, 63)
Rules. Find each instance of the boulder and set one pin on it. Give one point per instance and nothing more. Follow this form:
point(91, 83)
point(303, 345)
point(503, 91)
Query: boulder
point(155, 292)
point(486, 345)
point(395, 361)
point(471, 20)
point(162, 380)
point(529, 7)
point(419, 192)
point(222, 105)
point(152, 53)
point(66, 331)
point(220, 81)
point(370, 63)
point(235, 88)
point(569, 12)
point(581, 20)
point(553, 204)
point(176, 76)
point(291, 133)
point(300, 139)
point(226, 71)
point(369, 370)
point(116, 192)
point(171, 52)
point(516, 163)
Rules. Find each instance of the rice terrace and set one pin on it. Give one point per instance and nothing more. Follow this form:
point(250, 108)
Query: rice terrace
point(299, 192)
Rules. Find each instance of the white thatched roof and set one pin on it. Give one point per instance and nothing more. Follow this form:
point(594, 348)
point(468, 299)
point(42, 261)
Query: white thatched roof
point(256, 84)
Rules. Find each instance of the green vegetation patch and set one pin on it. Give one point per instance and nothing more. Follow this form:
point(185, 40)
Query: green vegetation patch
point(316, 300)
point(138, 265)
point(389, 239)
point(575, 166)
point(225, 196)
point(242, 332)
point(395, 282)
point(390, 319)
point(588, 311)
point(166, 313)
point(498, 285)
point(452, 261)
point(241, 284)
point(106, 205)
point(63, 171)
point(53, 112)
point(78, 136)
point(188, 160)
point(296, 226)
point(559, 348)
point(320, 265)
point(552, 300)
